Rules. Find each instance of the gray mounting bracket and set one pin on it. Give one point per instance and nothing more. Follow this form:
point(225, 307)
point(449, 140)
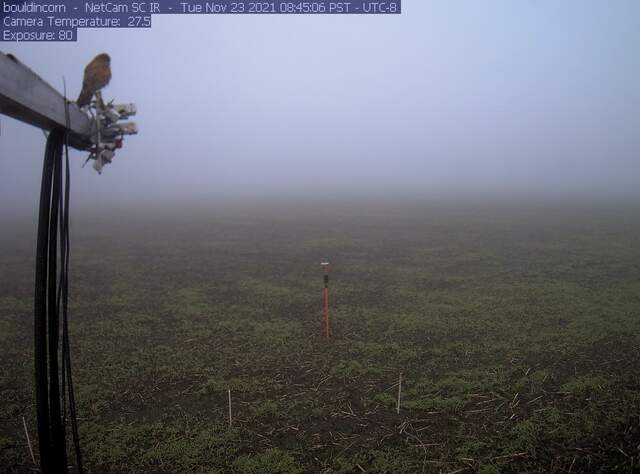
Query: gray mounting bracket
point(107, 130)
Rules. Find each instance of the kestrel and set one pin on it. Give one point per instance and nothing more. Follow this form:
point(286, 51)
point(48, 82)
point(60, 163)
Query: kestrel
point(97, 74)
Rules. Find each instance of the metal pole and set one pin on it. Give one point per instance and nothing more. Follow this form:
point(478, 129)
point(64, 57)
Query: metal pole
point(25, 96)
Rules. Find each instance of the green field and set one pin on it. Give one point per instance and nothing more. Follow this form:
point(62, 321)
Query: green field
point(517, 331)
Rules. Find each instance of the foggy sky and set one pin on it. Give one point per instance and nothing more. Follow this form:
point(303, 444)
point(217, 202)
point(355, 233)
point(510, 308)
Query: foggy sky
point(455, 97)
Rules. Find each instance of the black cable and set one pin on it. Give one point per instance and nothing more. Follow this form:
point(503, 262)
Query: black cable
point(64, 284)
point(64, 251)
point(40, 310)
point(51, 302)
point(61, 285)
point(57, 434)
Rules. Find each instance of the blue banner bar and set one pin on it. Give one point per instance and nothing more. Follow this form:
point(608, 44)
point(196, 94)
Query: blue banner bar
point(52, 20)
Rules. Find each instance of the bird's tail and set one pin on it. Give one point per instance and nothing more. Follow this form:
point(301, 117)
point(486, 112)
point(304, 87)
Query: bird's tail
point(84, 98)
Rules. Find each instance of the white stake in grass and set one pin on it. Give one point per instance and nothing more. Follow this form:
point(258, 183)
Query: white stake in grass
point(399, 392)
point(229, 408)
point(26, 432)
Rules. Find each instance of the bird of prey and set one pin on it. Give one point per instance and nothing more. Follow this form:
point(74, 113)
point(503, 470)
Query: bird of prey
point(97, 75)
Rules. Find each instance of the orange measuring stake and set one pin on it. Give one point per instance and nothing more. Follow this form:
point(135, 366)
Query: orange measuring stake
point(327, 322)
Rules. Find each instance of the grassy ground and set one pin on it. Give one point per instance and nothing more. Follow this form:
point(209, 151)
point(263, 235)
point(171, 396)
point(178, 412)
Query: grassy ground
point(517, 332)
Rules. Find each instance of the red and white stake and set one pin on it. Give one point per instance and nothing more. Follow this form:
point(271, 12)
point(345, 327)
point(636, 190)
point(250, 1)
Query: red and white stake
point(327, 322)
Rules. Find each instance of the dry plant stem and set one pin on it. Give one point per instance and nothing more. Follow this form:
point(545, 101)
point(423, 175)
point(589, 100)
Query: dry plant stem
point(229, 408)
point(399, 392)
point(26, 432)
